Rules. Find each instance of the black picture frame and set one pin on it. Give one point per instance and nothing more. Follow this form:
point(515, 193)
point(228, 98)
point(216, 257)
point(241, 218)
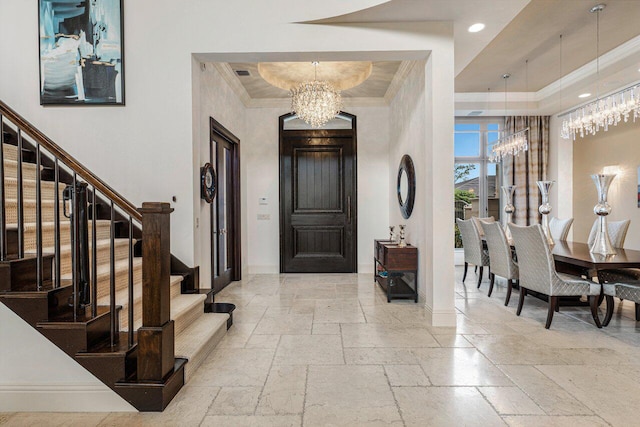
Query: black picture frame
point(81, 63)
point(406, 166)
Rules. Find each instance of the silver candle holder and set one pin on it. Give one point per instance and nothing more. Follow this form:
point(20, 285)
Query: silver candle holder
point(402, 243)
point(545, 209)
point(602, 242)
point(509, 209)
point(392, 235)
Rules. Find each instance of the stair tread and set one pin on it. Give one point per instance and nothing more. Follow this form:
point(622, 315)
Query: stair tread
point(101, 243)
point(191, 339)
point(51, 224)
point(184, 302)
point(105, 269)
point(122, 298)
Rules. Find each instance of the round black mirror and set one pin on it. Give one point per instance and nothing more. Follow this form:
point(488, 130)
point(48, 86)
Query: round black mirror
point(406, 186)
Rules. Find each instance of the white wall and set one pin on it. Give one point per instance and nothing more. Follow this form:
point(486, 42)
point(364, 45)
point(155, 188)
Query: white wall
point(560, 170)
point(36, 376)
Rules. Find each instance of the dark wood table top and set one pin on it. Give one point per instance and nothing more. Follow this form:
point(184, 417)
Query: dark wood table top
point(578, 254)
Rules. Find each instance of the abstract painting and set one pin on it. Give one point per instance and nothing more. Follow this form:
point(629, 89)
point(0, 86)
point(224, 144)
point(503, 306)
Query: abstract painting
point(639, 186)
point(81, 52)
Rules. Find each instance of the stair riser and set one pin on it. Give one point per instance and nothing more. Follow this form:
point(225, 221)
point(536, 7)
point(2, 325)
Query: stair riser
point(28, 170)
point(184, 319)
point(121, 253)
point(48, 236)
point(122, 283)
point(29, 211)
point(29, 189)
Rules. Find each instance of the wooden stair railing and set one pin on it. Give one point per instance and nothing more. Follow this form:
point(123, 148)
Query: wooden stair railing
point(141, 368)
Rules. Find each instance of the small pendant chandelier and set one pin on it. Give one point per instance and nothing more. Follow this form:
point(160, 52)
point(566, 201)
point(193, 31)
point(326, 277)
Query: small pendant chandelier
point(510, 144)
point(316, 102)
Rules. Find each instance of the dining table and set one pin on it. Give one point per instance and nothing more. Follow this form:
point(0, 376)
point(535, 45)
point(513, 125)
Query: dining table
point(576, 258)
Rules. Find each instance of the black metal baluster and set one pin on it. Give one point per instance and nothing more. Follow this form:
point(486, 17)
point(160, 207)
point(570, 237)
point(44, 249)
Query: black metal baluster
point(56, 223)
point(112, 277)
point(74, 246)
point(94, 261)
point(19, 198)
point(39, 274)
point(3, 212)
point(131, 314)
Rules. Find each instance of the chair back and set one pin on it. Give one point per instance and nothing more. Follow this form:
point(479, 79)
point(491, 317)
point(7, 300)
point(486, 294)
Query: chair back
point(479, 222)
point(471, 241)
point(560, 228)
point(535, 261)
point(500, 258)
point(617, 232)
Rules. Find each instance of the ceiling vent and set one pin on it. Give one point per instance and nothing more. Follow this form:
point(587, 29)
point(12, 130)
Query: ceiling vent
point(474, 113)
point(242, 73)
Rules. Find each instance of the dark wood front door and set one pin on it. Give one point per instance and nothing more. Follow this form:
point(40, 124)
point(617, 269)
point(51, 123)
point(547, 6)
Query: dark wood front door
point(318, 201)
point(225, 210)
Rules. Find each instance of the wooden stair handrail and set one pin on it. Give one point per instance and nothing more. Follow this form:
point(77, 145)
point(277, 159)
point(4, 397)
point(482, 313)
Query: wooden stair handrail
point(70, 161)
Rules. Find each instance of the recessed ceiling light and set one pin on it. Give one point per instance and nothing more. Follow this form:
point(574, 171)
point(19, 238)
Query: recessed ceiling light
point(476, 27)
point(584, 95)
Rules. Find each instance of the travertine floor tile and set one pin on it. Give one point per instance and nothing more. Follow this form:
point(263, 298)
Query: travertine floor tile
point(452, 340)
point(406, 375)
point(380, 356)
point(287, 324)
point(252, 421)
point(349, 396)
point(326, 329)
point(459, 367)
point(510, 401)
point(284, 391)
point(559, 421)
point(552, 398)
point(309, 350)
point(445, 406)
point(263, 341)
point(234, 367)
point(55, 419)
point(607, 391)
point(235, 401)
point(514, 350)
point(386, 335)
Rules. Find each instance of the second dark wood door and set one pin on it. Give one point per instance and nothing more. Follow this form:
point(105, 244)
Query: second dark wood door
point(318, 202)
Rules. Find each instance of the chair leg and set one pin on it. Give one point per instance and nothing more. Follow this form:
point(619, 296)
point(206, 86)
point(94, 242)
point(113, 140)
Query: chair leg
point(593, 301)
point(475, 270)
point(552, 309)
point(523, 293)
point(466, 266)
point(480, 277)
point(557, 307)
point(493, 279)
point(609, 313)
point(509, 289)
point(637, 312)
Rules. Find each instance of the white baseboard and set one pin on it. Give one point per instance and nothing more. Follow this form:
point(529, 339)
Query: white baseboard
point(442, 318)
point(264, 269)
point(61, 398)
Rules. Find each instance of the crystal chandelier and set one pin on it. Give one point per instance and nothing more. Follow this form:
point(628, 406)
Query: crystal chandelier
point(510, 144)
point(316, 102)
point(603, 112)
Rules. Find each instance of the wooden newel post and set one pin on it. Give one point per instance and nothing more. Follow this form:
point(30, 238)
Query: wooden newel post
point(156, 336)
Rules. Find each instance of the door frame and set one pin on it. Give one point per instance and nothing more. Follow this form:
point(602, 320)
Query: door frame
point(217, 129)
point(320, 133)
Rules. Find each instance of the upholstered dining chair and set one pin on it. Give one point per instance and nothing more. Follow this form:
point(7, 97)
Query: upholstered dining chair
point(474, 253)
point(617, 234)
point(500, 257)
point(629, 291)
point(538, 273)
point(560, 228)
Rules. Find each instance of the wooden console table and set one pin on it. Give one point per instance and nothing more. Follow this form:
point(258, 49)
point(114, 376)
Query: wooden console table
point(392, 267)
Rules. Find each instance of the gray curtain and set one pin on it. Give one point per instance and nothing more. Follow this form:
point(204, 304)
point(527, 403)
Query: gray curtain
point(525, 169)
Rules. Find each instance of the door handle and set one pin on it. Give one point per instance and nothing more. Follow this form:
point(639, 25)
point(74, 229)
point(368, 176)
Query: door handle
point(349, 209)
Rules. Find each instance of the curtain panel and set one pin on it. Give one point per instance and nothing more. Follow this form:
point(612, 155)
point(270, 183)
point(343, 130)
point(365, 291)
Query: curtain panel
point(526, 168)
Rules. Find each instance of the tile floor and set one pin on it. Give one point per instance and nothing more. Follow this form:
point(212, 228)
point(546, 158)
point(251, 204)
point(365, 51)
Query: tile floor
point(318, 350)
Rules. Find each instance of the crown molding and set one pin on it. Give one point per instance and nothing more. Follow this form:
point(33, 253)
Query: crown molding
point(229, 76)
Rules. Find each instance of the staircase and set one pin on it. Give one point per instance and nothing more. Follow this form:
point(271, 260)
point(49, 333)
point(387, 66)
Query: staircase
point(140, 326)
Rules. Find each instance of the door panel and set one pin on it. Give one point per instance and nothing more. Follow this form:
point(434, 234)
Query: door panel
point(225, 210)
point(318, 227)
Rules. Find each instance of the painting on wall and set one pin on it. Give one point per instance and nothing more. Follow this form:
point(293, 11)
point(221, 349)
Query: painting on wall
point(81, 52)
point(639, 186)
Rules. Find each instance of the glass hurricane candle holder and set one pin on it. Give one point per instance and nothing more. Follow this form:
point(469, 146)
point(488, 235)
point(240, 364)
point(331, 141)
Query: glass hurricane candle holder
point(545, 209)
point(602, 242)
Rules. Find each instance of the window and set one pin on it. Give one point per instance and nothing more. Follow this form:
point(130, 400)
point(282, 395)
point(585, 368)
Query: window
point(476, 179)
